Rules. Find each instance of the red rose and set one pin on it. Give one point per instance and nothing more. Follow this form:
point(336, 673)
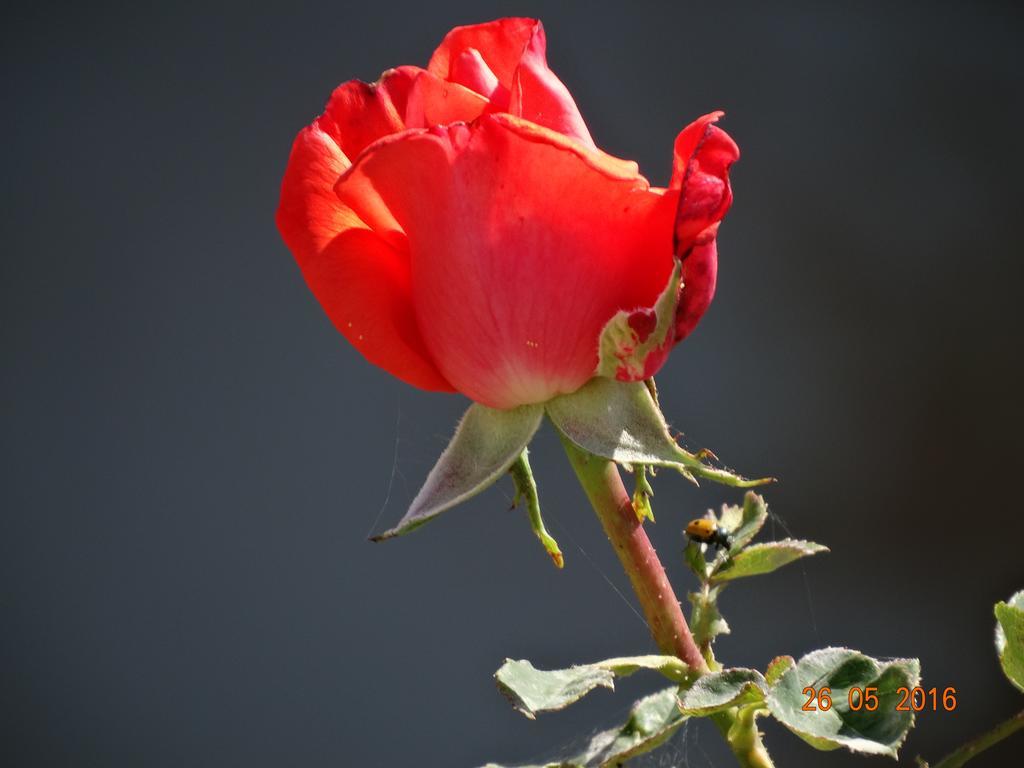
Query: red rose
point(461, 229)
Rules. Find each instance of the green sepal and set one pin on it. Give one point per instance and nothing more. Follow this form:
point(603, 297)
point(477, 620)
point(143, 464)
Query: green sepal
point(759, 559)
point(485, 444)
point(526, 488)
point(880, 732)
point(620, 421)
point(652, 721)
point(719, 691)
point(1010, 638)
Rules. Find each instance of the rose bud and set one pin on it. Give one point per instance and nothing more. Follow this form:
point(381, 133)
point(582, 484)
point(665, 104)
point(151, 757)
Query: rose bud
point(461, 229)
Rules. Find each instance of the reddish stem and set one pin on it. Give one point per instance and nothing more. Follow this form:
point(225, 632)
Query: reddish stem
point(601, 480)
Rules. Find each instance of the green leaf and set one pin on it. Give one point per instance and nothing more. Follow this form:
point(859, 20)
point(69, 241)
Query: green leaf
point(532, 690)
point(652, 720)
point(630, 336)
point(485, 444)
point(764, 558)
point(1010, 638)
point(670, 666)
point(777, 667)
point(706, 623)
point(723, 690)
point(880, 732)
point(743, 523)
point(693, 554)
point(621, 422)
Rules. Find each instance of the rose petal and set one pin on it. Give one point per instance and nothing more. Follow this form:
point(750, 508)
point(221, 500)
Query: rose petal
point(359, 113)
point(309, 215)
point(539, 96)
point(514, 51)
point(523, 245)
point(703, 154)
point(360, 276)
point(700, 171)
point(500, 42)
point(470, 69)
point(700, 272)
point(433, 101)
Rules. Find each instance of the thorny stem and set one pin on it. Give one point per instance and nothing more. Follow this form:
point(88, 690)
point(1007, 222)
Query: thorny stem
point(975, 747)
point(603, 485)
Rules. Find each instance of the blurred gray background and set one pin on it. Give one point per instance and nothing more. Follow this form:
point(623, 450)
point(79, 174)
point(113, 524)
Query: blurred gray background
point(193, 458)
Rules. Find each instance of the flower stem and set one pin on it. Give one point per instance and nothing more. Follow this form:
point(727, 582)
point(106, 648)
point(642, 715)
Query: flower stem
point(975, 747)
point(603, 485)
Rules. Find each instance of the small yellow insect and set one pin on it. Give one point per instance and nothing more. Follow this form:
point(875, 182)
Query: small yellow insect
point(707, 532)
